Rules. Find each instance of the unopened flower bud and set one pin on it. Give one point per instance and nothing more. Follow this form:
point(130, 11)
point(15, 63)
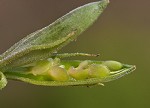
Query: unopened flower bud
point(78, 74)
point(57, 73)
point(41, 67)
point(98, 71)
point(113, 65)
point(83, 65)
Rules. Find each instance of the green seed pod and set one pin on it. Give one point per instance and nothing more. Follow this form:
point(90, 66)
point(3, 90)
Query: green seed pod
point(78, 74)
point(113, 65)
point(42, 44)
point(98, 71)
point(41, 67)
point(57, 73)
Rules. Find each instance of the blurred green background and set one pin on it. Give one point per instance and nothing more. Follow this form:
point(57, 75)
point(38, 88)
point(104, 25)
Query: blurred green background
point(121, 33)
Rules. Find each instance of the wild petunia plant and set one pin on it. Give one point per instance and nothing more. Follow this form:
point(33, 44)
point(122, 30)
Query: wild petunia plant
point(34, 59)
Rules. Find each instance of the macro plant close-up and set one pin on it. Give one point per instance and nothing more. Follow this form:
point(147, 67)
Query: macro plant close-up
point(42, 58)
point(34, 59)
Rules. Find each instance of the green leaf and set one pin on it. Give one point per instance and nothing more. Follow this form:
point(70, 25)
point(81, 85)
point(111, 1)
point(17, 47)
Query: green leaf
point(42, 80)
point(3, 80)
point(43, 43)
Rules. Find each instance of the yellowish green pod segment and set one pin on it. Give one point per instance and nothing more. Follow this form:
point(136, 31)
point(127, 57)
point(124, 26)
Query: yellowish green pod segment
point(34, 59)
point(70, 73)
